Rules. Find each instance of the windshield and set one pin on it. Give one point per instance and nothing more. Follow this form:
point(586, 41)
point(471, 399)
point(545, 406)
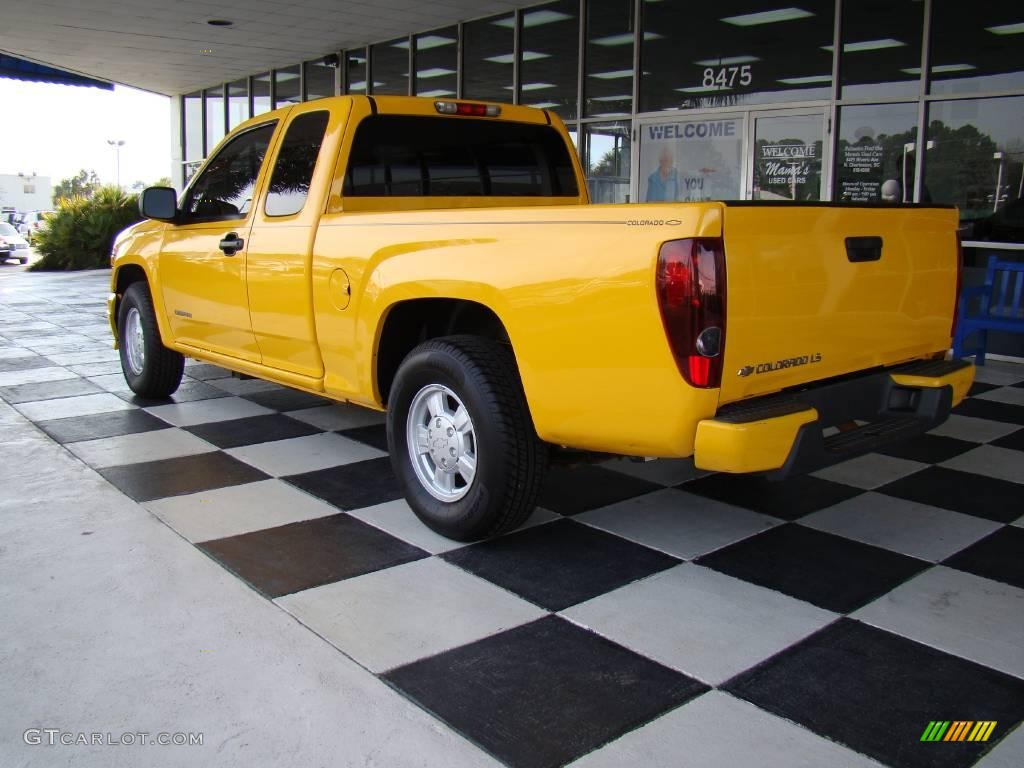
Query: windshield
point(7, 229)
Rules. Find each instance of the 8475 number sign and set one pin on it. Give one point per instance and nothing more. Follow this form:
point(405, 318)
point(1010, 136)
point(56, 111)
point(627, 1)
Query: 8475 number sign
point(727, 77)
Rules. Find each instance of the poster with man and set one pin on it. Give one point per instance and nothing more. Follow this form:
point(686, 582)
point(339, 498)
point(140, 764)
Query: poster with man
point(691, 160)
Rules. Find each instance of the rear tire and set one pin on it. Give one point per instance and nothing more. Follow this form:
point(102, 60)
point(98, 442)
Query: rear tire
point(151, 369)
point(462, 442)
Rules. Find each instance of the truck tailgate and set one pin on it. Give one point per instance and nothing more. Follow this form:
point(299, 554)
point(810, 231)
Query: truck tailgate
point(820, 291)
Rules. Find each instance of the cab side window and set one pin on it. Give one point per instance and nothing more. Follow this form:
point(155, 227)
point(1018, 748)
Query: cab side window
point(224, 189)
point(293, 171)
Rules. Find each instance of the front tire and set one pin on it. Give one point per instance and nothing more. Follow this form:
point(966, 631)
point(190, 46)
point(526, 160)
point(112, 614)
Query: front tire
point(462, 443)
point(151, 369)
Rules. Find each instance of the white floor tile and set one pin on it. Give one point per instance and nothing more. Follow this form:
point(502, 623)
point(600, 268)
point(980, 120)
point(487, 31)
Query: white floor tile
point(396, 518)
point(204, 411)
point(716, 731)
point(988, 460)
point(96, 369)
point(92, 356)
point(679, 523)
point(34, 376)
point(156, 445)
point(1009, 395)
point(974, 430)
point(701, 622)
point(870, 471)
point(304, 454)
point(238, 509)
point(957, 612)
point(397, 615)
point(339, 416)
point(1000, 374)
point(81, 405)
point(918, 530)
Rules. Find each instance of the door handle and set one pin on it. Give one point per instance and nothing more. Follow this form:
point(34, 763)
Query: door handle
point(231, 244)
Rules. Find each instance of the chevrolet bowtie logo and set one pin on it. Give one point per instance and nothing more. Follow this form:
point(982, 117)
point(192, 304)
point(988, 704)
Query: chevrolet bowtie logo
point(745, 371)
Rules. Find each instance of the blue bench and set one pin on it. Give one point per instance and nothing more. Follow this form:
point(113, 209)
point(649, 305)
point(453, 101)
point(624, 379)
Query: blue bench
point(994, 306)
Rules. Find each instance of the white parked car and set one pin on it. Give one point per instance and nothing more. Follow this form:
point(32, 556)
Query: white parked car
point(30, 223)
point(12, 245)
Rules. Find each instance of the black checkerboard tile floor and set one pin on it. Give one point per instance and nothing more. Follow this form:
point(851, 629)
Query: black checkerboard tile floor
point(644, 613)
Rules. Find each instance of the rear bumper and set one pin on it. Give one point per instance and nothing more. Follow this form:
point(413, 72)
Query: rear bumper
point(784, 434)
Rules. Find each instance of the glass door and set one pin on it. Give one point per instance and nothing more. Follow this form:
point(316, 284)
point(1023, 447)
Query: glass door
point(787, 161)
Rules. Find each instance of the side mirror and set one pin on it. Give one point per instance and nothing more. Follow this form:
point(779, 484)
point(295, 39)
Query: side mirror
point(159, 203)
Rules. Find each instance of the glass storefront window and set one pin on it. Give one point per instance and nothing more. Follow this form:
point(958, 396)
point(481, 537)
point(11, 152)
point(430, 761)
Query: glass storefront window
point(608, 76)
point(549, 57)
point(319, 79)
point(437, 63)
point(976, 156)
point(876, 154)
point(286, 86)
point(488, 54)
point(214, 117)
point(355, 71)
point(238, 102)
point(724, 54)
point(977, 49)
point(389, 63)
point(693, 159)
point(260, 93)
point(192, 106)
point(881, 54)
point(607, 151)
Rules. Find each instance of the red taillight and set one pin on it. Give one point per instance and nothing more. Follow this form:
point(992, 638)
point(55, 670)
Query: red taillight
point(959, 283)
point(690, 282)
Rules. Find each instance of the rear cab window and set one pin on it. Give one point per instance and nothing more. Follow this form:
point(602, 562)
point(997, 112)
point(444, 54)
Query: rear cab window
point(420, 156)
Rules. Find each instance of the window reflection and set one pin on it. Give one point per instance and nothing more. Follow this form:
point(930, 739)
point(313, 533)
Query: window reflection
point(390, 68)
point(437, 63)
point(726, 53)
point(979, 49)
point(976, 159)
point(319, 79)
point(607, 152)
point(549, 59)
point(293, 170)
point(214, 117)
point(355, 71)
point(286, 86)
point(876, 153)
point(608, 78)
point(260, 93)
point(238, 102)
point(488, 57)
point(881, 54)
point(192, 105)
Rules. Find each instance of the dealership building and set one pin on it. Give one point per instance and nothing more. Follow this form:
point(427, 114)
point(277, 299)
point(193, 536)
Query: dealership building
point(672, 100)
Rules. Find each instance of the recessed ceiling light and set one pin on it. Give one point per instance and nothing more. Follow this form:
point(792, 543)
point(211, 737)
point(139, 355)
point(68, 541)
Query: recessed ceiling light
point(767, 17)
point(435, 94)
point(543, 104)
point(701, 89)
point(726, 61)
point(805, 80)
point(434, 72)
point(624, 39)
point(220, 23)
point(531, 86)
point(867, 45)
point(508, 58)
point(941, 68)
point(1007, 29)
point(534, 19)
point(615, 75)
point(623, 97)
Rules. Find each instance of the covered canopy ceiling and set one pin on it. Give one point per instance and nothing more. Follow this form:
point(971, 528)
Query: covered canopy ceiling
point(170, 48)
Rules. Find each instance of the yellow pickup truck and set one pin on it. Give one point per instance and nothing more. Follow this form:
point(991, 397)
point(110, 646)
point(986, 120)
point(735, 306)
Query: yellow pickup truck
point(440, 259)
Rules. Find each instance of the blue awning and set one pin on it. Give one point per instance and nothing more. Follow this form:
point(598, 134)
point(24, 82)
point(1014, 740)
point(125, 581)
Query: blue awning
point(13, 68)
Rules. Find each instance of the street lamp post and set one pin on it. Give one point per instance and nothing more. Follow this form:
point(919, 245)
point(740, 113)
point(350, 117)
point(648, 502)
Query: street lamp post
point(117, 144)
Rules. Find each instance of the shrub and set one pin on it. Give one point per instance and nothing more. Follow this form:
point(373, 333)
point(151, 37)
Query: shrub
point(80, 233)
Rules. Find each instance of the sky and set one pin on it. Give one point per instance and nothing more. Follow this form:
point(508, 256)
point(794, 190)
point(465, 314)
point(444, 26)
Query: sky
point(57, 130)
